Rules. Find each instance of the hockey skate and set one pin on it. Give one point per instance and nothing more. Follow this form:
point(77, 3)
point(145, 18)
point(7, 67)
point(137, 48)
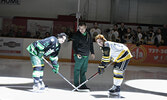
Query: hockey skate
point(43, 86)
point(114, 92)
point(39, 87)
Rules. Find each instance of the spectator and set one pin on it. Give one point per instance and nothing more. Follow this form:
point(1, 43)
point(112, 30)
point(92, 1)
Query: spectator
point(106, 32)
point(11, 33)
point(95, 31)
point(134, 37)
point(164, 34)
point(139, 37)
point(116, 33)
point(47, 34)
point(19, 33)
point(149, 35)
point(127, 38)
point(112, 35)
point(158, 37)
point(37, 36)
point(122, 30)
point(27, 35)
point(109, 34)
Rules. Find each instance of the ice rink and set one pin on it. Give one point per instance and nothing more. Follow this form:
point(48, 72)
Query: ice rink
point(140, 83)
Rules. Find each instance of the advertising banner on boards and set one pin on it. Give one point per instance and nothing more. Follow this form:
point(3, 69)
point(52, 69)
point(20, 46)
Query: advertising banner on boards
point(148, 55)
point(11, 46)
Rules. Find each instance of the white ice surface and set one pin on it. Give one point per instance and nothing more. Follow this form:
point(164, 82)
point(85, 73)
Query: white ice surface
point(60, 94)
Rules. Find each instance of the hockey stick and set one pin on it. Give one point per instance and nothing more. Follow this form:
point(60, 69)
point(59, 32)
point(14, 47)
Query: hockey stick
point(93, 76)
point(59, 73)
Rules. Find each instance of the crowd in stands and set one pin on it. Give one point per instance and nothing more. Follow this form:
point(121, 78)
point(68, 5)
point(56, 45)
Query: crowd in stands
point(116, 33)
point(137, 36)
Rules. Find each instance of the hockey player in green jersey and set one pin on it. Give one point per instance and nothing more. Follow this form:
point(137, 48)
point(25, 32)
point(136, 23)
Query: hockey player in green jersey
point(48, 47)
point(117, 53)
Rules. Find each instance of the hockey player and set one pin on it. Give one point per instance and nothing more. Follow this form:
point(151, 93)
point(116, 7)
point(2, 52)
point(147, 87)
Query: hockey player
point(48, 47)
point(115, 52)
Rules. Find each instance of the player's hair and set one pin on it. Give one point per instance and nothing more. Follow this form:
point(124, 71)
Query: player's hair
point(61, 35)
point(99, 36)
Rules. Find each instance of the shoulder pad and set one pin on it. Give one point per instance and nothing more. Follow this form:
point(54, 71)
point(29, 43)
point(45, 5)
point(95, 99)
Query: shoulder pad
point(52, 38)
point(106, 44)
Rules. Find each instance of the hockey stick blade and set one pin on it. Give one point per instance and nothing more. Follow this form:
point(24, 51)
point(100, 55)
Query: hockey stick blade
point(59, 73)
point(94, 75)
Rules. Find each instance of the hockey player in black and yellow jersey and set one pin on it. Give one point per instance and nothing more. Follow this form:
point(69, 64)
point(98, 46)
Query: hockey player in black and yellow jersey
point(48, 47)
point(117, 53)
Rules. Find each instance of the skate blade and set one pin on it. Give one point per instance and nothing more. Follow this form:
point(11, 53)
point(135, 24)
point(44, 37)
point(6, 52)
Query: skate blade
point(36, 91)
point(114, 95)
point(83, 90)
point(39, 90)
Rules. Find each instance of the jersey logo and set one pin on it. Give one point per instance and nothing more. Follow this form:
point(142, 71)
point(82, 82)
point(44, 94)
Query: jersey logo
point(49, 52)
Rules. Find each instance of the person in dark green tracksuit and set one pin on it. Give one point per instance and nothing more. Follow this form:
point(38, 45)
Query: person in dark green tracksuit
point(82, 46)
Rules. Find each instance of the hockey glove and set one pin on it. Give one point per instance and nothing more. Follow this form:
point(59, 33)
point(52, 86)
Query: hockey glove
point(55, 69)
point(101, 69)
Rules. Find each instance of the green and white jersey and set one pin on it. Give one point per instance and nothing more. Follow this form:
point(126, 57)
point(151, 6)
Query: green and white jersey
point(45, 47)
